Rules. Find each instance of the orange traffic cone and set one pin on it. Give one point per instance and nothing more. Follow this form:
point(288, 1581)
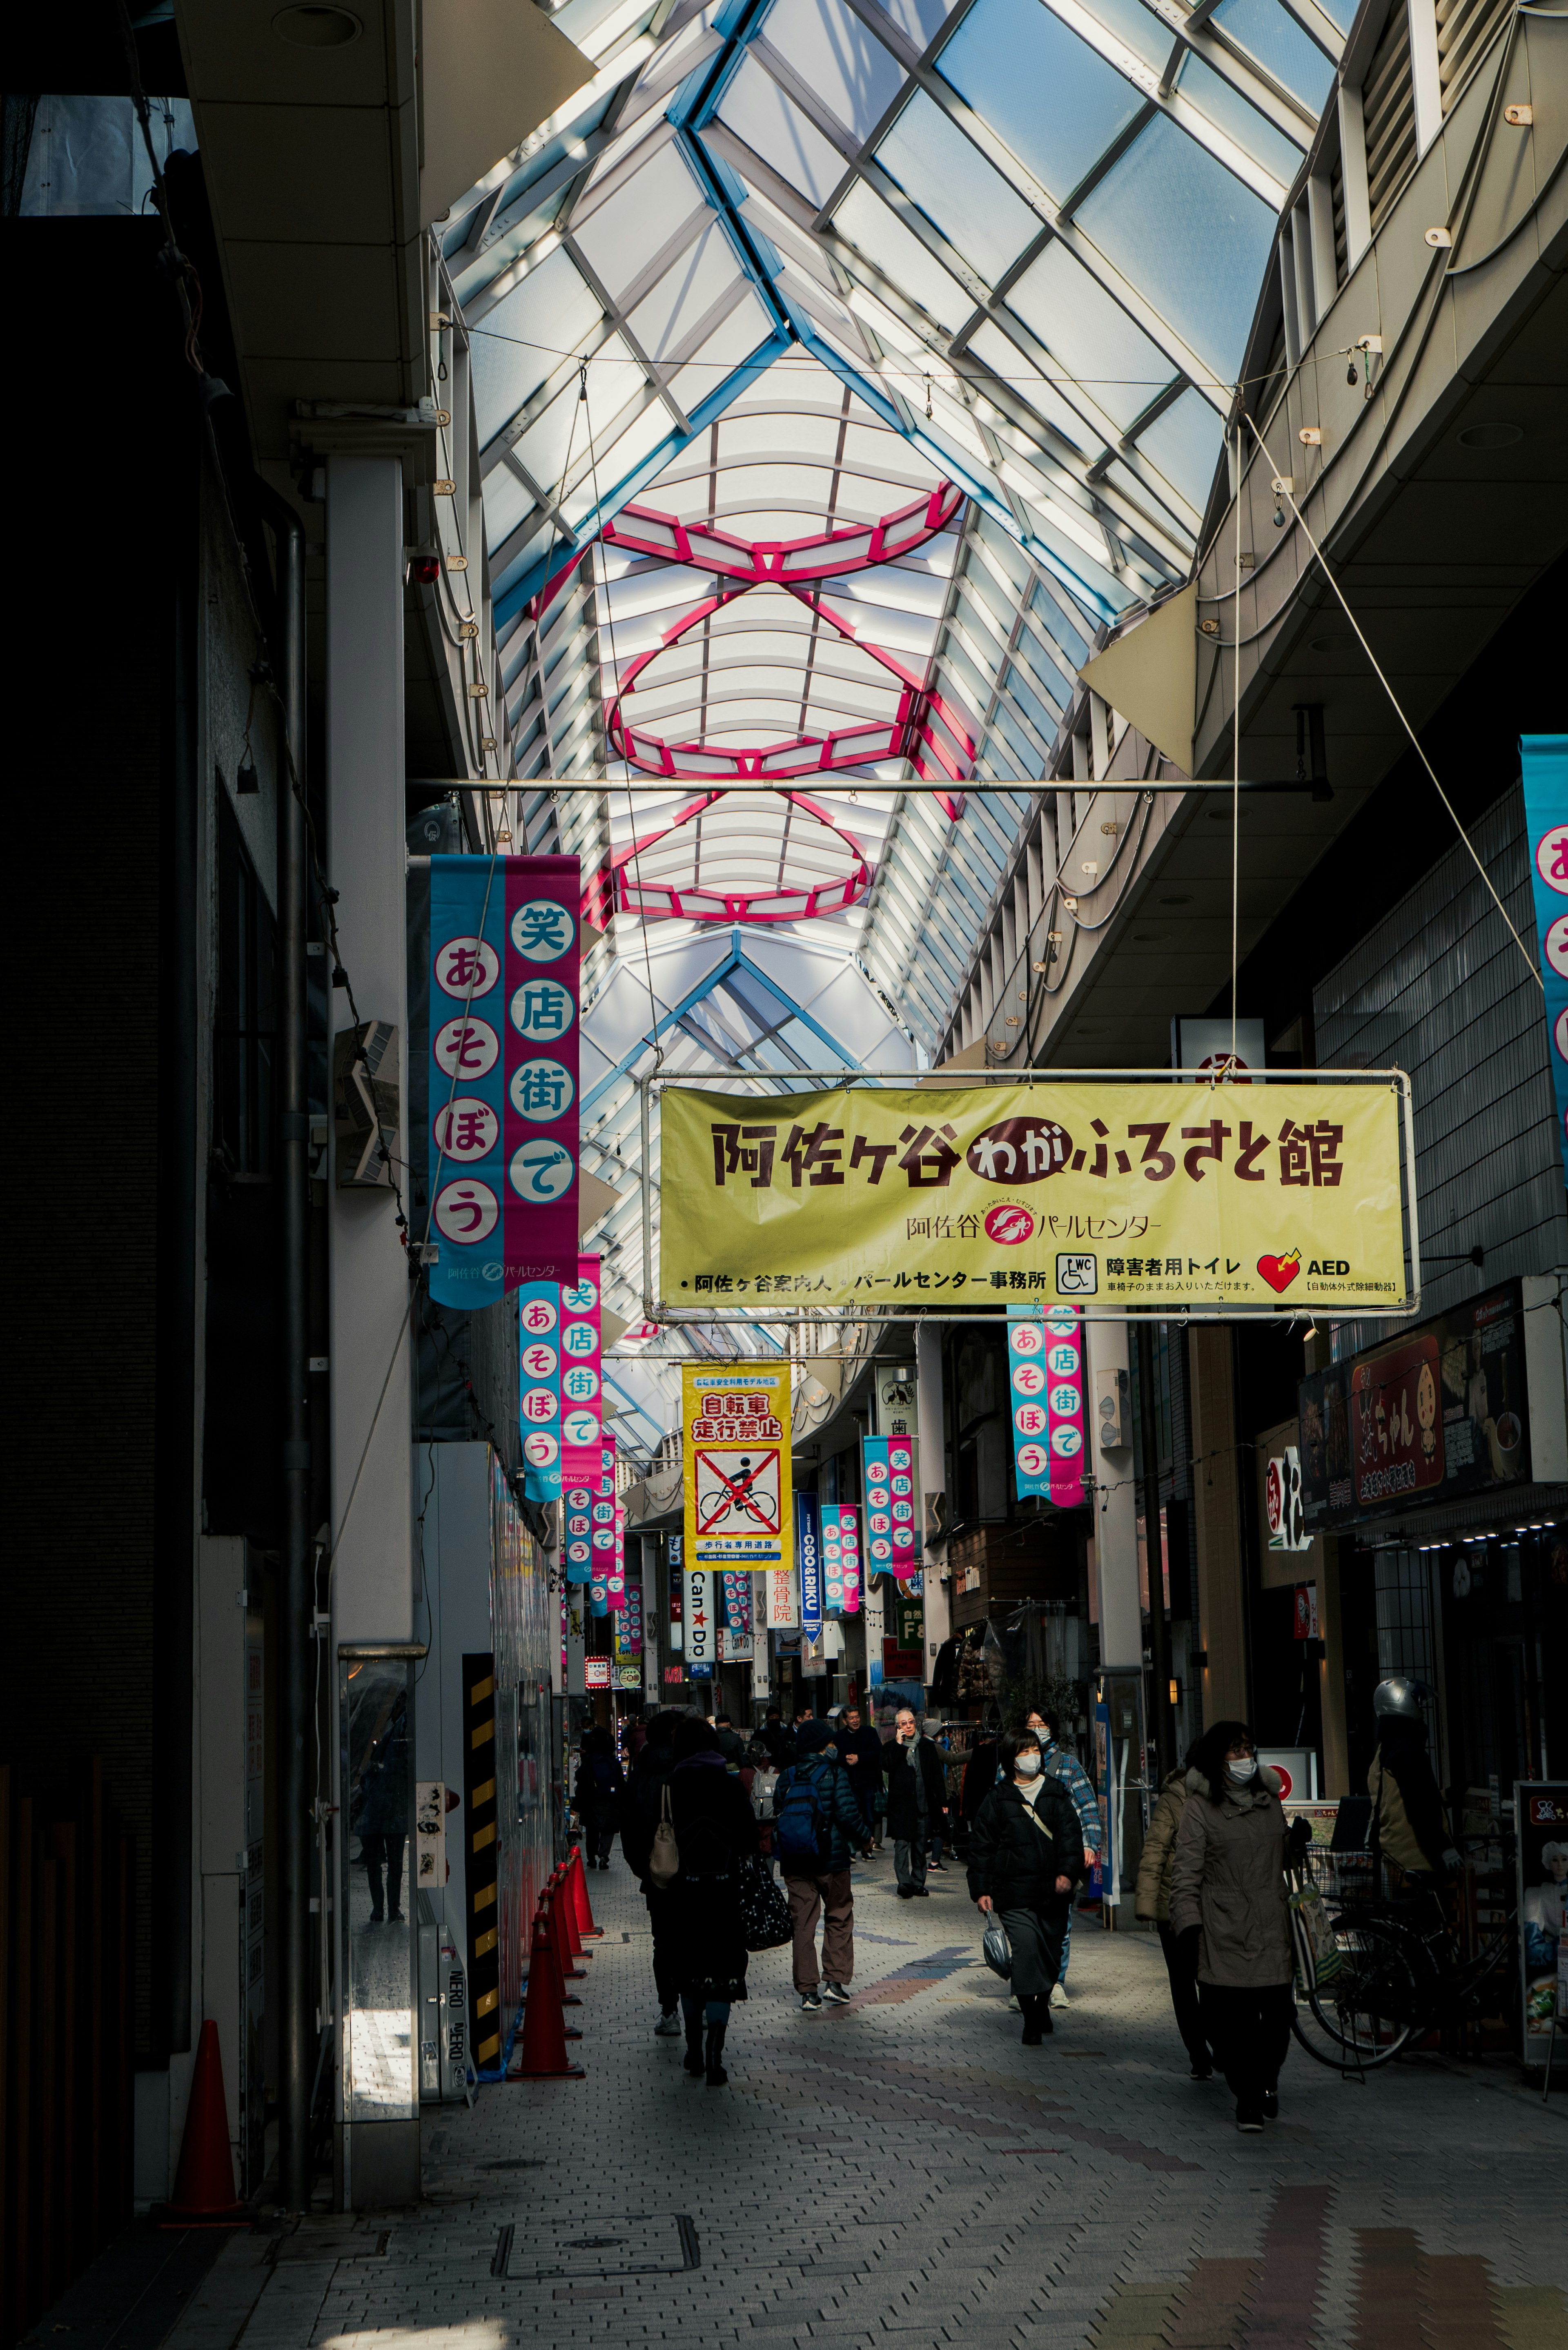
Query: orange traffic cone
point(204, 2184)
point(580, 1902)
point(544, 2032)
point(556, 1915)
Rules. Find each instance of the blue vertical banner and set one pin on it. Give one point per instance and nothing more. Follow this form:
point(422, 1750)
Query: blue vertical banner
point(539, 1387)
point(504, 1075)
point(1545, 760)
point(809, 1558)
point(1045, 1398)
point(1026, 1381)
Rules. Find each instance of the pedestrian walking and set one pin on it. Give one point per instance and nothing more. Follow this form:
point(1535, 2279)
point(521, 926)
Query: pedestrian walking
point(731, 1745)
point(916, 1802)
point(640, 1814)
point(1024, 1858)
point(715, 1836)
point(1153, 1905)
point(1228, 1907)
point(779, 1741)
point(860, 1751)
point(601, 1785)
point(818, 1825)
point(1062, 1764)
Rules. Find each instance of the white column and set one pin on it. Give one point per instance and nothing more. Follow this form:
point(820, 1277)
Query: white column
point(1116, 1510)
point(371, 1449)
point(930, 1428)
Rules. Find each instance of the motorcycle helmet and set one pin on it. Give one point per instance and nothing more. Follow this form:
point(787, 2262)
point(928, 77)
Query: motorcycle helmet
point(1400, 1694)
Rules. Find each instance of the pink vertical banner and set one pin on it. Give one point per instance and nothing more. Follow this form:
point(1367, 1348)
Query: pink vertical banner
point(902, 1505)
point(1064, 1397)
point(849, 1561)
point(582, 1381)
point(541, 988)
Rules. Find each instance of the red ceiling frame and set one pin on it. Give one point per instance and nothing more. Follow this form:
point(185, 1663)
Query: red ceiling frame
point(795, 565)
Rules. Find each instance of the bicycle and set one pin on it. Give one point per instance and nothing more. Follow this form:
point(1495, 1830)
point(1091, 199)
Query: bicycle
point(1390, 1975)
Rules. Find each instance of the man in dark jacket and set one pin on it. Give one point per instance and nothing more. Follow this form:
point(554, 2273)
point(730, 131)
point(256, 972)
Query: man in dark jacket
point(639, 1817)
point(860, 1750)
point(916, 1802)
point(779, 1741)
point(731, 1745)
point(817, 1826)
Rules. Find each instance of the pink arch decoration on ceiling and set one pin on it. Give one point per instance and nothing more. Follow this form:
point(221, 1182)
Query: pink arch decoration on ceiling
point(925, 729)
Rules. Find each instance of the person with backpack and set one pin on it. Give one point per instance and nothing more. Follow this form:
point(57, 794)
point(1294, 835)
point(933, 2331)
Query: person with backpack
point(817, 1829)
point(640, 1816)
point(598, 1794)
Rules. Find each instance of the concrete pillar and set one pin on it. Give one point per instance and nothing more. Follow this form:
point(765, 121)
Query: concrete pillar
point(931, 1432)
point(1116, 1510)
point(372, 1485)
point(1217, 1490)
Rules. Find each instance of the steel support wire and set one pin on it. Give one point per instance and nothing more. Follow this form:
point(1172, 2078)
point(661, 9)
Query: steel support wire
point(298, 2027)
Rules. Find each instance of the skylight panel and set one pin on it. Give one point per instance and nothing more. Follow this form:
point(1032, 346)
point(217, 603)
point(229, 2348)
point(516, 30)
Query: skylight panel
point(945, 173)
point(1230, 112)
point(516, 345)
point(1188, 235)
point(1278, 43)
point(1090, 335)
point(757, 110)
point(623, 234)
point(1184, 443)
point(684, 295)
point(1056, 103)
point(865, 222)
point(838, 58)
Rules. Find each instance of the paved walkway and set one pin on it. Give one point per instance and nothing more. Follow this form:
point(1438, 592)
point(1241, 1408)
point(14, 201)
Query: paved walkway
point(904, 2171)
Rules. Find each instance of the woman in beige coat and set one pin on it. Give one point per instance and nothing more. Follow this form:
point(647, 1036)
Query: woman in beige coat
point(1228, 1907)
point(1154, 1874)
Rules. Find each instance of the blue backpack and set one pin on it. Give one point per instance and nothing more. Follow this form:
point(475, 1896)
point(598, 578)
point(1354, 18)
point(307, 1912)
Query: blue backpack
point(801, 1838)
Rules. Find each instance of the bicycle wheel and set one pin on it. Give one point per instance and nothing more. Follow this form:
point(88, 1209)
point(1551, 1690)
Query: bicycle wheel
point(1373, 2007)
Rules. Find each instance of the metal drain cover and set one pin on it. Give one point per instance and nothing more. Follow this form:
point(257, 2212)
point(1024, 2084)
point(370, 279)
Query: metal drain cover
point(644, 2243)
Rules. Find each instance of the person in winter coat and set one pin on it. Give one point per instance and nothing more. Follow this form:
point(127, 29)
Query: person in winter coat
point(817, 1827)
point(641, 1814)
point(916, 1802)
point(1025, 1856)
point(1061, 1762)
point(1227, 1908)
point(779, 1741)
point(601, 1785)
point(860, 1751)
point(715, 1834)
point(1409, 1827)
point(1153, 1905)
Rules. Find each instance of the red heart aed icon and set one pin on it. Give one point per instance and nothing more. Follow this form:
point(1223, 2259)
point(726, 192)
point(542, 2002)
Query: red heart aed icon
point(1279, 1272)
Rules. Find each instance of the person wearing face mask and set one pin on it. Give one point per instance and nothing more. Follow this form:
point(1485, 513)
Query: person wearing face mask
point(916, 1802)
point(1153, 1873)
point(1024, 1858)
point(1062, 1764)
point(1228, 1914)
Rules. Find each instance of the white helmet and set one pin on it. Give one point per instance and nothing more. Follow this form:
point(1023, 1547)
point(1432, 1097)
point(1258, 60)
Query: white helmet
point(1402, 1694)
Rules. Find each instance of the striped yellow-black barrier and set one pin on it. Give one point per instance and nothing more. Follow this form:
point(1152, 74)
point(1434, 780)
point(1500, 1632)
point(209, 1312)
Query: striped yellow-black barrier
point(482, 1858)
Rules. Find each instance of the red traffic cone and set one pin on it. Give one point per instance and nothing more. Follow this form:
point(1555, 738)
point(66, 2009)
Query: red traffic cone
point(556, 1915)
point(569, 1998)
point(544, 2032)
point(568, 1912)
point(204, 2184)
point(580, 1902)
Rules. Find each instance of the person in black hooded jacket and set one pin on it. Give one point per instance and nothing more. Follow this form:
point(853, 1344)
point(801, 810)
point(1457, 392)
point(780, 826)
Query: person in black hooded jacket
point(1025, 1854)
point(641, 1814)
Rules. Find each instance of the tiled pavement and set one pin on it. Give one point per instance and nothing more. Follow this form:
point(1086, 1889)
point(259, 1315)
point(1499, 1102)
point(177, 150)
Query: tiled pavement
point(903, 2171)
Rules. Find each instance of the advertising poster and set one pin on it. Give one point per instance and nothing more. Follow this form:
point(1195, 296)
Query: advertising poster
point(1439, 1411)
point(700, 1622)
point(502, 1144)
point(784, 1606)
point(1540, 1820)
point(1544, 766)
point(736, 1451)
point(1138, 1194)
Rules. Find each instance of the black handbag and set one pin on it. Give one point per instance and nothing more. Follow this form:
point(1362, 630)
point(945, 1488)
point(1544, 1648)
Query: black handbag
point(765, 1911)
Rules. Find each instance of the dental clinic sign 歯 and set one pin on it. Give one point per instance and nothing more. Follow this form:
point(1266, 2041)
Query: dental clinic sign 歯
point(1544, 761)
point(502, 1142)
point(1137, 1195)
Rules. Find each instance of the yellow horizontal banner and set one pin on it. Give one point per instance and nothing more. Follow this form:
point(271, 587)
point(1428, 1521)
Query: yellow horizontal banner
point(1136, 1195)
point(739, 1498)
